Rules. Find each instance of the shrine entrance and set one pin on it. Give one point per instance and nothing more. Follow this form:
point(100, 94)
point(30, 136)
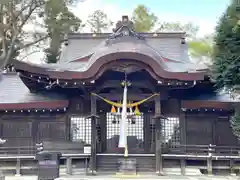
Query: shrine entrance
point(140, 134)
point(135, 133)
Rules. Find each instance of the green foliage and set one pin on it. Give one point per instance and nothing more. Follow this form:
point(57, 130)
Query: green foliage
point(98, 21)
point(59, 21)
point(235, 123)
point(143, 19)
point(190, 29)
point(226, 56)
point(56, 17)
point(201, 47)
point(52, 56)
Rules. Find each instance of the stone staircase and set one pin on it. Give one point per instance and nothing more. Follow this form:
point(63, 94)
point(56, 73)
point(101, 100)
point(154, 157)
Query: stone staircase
point(110, 164)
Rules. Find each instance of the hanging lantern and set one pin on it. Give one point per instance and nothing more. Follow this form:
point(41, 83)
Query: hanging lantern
point(113, 110)
point(137, 112)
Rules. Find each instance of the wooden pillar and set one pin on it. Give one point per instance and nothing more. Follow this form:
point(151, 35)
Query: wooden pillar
point(158, 137)
point(102, 141)
point(35, 124)
point(209, 159)
point(214, 124)
point(209, 165)
point(69, 165)
point(183, 166)
point(68, 128)
point(146, 131)
point(94, 135)
point(183, 130)
point(18, 167)
point(232, 167)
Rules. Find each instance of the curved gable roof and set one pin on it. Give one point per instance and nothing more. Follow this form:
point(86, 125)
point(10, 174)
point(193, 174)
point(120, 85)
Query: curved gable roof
point(124, 43)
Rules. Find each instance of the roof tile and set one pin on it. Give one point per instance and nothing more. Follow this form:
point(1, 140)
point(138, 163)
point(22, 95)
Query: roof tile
point(13, 91)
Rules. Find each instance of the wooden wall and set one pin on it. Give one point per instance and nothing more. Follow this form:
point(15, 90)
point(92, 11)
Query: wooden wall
point(27, 129)
point(209, 128)
point(202, 128)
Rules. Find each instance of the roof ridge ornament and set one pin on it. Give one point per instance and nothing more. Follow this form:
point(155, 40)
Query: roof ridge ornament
point(124, 28)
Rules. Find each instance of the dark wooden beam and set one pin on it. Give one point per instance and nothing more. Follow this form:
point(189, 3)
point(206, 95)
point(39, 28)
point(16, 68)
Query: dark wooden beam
point(195, 104)
point(117, 84)
point(94, 135)
point(132, 97)
point(182, 123)
point(158, 137)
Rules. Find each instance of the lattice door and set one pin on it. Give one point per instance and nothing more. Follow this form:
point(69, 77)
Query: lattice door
point(135, 132)
point(81, 129)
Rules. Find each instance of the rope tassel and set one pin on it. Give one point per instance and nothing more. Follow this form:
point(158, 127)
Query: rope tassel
point(113, 110)
point(137, 112)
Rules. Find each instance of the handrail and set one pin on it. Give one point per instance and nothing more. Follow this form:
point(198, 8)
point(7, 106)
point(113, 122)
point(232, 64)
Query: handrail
point(63, 156)
point(231, 150)
point(174, 149)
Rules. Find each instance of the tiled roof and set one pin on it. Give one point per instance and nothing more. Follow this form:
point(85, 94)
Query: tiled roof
point(168, 44)
point(15, 95)
point(85, 54)
point(126, 44)
point(217, 97)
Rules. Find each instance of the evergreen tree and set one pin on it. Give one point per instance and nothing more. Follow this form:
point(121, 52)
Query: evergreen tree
point(226, 60)
point(98, 21)
point(226, 57)
point(143, 19)
point(59, 21)
point(235, 124)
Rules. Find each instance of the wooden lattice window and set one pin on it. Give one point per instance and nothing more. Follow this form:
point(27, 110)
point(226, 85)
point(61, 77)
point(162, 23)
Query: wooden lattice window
point(81, 129)
point(171, 130)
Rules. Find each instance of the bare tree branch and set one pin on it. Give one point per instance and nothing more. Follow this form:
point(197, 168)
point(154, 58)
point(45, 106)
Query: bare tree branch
point(33, 43)
point(33, 52)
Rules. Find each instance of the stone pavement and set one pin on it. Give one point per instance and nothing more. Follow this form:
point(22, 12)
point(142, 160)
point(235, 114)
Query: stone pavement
point(79, 177)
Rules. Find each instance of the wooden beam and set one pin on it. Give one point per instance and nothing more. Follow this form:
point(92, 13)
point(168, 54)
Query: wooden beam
point(183, 166)
point(196, 104)
point(69, 166)
point(94, 135)
point(158, 137)
point(183, 130)
point(209, 165)
point(117, 84)
point(131, 96)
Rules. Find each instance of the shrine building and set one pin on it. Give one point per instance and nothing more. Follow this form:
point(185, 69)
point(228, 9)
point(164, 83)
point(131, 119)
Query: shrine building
point(67, 102)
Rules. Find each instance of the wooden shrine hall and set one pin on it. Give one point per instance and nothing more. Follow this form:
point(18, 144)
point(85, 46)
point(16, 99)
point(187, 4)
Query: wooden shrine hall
point(66, 102)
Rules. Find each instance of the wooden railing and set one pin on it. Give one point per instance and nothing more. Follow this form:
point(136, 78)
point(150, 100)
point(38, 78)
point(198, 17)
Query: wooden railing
point(204, 150)
point(18, 150)
point(22, 154)
point(207, 153)
point(176, 149)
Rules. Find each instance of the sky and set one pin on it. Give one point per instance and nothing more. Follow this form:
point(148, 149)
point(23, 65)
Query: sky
point(204, 13)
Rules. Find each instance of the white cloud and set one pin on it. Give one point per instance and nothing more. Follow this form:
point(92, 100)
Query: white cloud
point(114, 12)
point(206, 26)
point(84, 9)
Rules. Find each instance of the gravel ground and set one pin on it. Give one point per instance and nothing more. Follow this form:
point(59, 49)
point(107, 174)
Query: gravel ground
point(139, 178)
